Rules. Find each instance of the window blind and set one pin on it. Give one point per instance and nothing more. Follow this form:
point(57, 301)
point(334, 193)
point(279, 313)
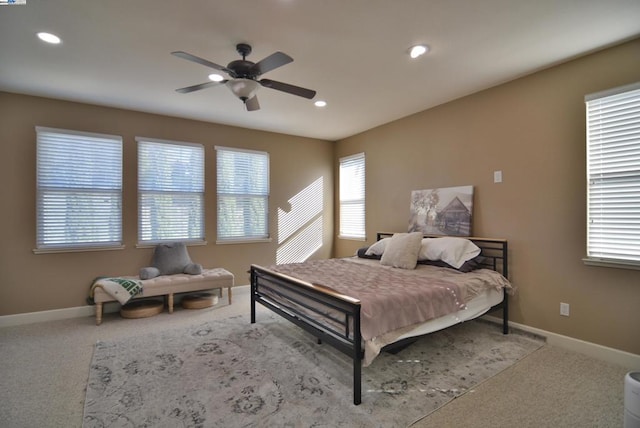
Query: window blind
point(613, 174)
point(170, 191)
point(243, 194)
point(79, 189)
point(352, 197)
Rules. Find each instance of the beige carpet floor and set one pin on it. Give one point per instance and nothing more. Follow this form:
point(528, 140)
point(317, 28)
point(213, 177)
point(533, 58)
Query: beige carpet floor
point(44, 369)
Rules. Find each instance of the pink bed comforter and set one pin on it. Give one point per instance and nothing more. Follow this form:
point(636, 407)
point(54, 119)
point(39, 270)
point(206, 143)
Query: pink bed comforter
point(392, 298)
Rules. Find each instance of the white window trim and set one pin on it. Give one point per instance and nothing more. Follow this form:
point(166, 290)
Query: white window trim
point(341, 235)
point(252, 239)
point(600, 261)
point(76, 248)
point(187, 241)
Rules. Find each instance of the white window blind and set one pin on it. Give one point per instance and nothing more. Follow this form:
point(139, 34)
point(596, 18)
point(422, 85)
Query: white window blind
point(170, 191)
point(613, 174)
point(243, 194)
point(79, 189)
point(352, 197)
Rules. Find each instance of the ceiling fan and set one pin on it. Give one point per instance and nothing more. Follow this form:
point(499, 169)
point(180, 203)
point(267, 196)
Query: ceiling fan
point(244, 75)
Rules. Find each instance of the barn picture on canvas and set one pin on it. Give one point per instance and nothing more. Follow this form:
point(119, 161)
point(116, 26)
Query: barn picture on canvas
point(443, 211)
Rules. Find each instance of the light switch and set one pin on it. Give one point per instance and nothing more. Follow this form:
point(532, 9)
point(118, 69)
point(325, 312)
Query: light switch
point(497, 176)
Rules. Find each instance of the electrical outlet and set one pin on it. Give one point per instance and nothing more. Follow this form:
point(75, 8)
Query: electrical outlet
point(564, 309)
point(497, 176)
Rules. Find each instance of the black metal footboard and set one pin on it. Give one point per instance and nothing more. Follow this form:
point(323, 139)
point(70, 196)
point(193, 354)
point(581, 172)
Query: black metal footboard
point(331, 317)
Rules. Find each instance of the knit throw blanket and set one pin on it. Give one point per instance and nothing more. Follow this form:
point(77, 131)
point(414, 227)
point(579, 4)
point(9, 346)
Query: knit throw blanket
point(121, 289)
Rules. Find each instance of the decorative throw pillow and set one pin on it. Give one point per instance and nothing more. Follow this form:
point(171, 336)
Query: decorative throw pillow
point(362, 253)
point(169, 259)
point(193, 269)
point(377, 249)
point(149, 272)
point(402, 250)
point(451, 250)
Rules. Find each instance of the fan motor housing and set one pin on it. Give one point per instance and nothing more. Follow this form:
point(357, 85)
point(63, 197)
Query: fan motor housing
point(241, 68)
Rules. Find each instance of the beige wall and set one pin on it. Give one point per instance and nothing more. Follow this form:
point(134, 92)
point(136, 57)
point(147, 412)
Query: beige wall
point(532, 129)
point(30, 282)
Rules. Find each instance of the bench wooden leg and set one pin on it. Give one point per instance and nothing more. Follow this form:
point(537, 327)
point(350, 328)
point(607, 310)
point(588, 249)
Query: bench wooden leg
point(170, 302)
point(98, 313)
point(229, 292)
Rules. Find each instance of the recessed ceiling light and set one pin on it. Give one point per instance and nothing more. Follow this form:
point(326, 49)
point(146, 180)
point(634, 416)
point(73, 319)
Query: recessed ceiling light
point(320, 103)
point(216, 77)
point(49, 38)
point(417, 50)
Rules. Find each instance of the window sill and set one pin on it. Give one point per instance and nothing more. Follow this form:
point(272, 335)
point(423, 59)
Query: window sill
point(618, 264)
point(352, 238)
point(244, 241)
point(75, 250)
point(154, 244)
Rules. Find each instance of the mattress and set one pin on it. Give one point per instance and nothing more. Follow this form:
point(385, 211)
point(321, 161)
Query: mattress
point(476, 307)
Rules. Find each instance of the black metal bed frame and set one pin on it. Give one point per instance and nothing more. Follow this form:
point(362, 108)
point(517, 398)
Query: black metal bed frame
point(333, 317)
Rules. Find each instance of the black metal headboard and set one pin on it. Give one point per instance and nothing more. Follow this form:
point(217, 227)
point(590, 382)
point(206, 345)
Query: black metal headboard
point(494, 252)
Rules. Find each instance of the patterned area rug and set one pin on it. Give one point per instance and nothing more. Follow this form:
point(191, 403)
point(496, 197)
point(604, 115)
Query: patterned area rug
point(231, 373)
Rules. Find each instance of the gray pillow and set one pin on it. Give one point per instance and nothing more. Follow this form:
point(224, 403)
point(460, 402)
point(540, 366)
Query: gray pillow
point(149, 272)
point(193, 269)
point(169, 259)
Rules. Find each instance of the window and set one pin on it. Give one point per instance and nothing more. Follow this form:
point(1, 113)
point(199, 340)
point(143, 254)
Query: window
point(170, 191)
point(352, 192)
point(79, 190)
point(243, 194)
point(613, 177)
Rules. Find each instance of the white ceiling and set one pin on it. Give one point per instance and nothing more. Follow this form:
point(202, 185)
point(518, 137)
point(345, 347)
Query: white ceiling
point(352, 52)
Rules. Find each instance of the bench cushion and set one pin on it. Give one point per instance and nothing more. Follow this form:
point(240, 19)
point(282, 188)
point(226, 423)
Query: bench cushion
point(178, 283)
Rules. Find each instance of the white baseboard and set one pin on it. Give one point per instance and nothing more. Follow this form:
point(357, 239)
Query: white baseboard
point(54, 315)
point(615, 356)
point(604, 353)
point(77, 312)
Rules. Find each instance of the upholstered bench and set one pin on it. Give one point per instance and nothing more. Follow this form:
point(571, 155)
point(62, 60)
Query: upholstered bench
point(168, 285)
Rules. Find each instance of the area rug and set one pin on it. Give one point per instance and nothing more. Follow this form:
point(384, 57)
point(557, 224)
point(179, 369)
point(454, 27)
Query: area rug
point(230, 373)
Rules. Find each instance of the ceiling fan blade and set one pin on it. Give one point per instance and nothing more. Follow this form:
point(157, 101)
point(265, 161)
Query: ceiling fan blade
point(252, 104)
point(290, 89)
point(275, 60)
point(197, 59)
point(188, 89)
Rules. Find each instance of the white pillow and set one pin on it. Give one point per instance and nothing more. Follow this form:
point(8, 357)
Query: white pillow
point(402, 250)
point(378, 248)
point(454, 251)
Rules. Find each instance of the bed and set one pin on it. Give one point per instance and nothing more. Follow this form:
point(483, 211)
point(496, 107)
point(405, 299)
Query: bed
point(346, 302)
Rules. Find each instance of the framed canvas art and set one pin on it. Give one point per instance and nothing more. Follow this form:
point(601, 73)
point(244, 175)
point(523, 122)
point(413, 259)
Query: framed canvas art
point(444, 211)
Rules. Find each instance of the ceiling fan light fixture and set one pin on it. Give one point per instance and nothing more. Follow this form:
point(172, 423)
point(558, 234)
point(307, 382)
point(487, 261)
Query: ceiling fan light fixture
point(49, 38)
point(243, 88)
point(418, 50)
point(320, 103)
point(243, 76)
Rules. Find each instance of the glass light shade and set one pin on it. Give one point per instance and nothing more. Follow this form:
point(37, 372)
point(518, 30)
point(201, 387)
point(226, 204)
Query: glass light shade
point(243, 88)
